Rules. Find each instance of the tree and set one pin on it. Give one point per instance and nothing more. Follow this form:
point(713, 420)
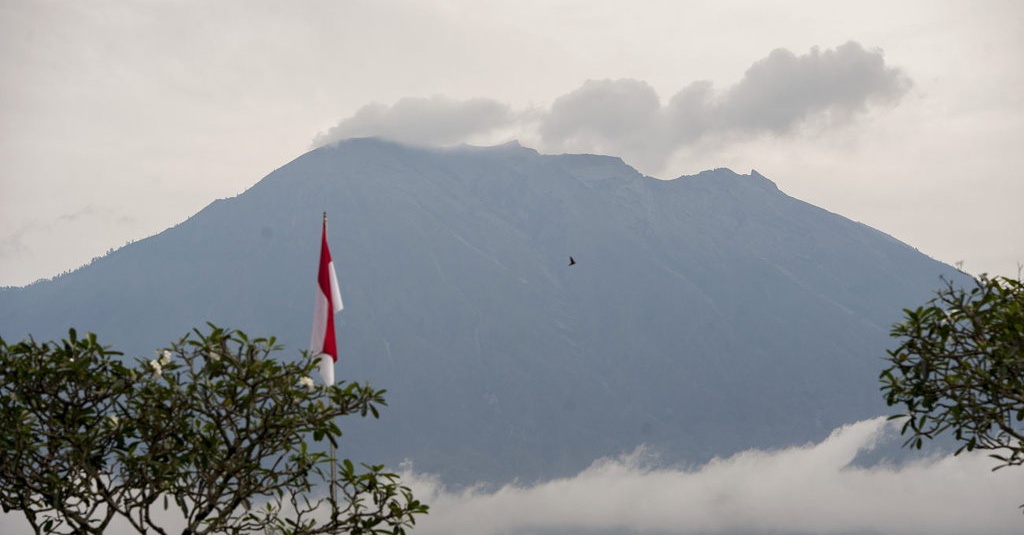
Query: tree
point(959, 368)
point(214, 430)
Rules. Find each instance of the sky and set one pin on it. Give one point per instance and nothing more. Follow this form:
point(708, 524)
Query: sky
point(122, 119)
point(813, 489)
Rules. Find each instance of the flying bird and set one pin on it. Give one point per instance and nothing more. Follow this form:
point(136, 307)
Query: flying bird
point(572, 261)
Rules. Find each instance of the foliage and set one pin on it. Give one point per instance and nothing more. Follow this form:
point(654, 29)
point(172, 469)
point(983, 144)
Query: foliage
point(214, 430)
point(960, 368)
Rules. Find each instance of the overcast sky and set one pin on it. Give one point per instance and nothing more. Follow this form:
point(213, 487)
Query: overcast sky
point(121, 119)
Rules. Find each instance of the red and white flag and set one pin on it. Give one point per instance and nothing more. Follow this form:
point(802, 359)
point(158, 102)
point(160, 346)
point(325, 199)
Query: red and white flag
point(322, 344)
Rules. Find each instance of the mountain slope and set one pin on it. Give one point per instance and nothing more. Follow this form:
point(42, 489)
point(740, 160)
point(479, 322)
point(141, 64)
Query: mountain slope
point(705, 314)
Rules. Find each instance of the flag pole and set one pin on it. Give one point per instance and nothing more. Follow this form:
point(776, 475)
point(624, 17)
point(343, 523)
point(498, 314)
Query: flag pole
point(334, 449)
point(323, 344)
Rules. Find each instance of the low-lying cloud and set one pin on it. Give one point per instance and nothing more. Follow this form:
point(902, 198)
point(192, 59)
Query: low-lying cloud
point(814, 489)
point(778, 95)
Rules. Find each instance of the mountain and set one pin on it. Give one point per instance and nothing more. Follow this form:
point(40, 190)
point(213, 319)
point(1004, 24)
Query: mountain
point(703, 316)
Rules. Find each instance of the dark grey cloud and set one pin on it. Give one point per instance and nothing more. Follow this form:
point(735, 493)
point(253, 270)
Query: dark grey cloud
point(777, 96)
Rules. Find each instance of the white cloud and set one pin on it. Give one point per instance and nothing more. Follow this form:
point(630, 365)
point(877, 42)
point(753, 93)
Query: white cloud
point(603, 114)
point(423, 121)
point(776, 96)
point(812, 489)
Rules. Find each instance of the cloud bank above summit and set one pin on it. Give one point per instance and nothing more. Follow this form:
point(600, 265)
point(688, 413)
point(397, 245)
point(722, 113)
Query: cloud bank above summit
point(778, 95)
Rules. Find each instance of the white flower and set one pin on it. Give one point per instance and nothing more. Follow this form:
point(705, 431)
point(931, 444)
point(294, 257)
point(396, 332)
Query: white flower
point(157, 368)
point(308, 383)
point(113, 420)
point(214, 356)
point(165, 357)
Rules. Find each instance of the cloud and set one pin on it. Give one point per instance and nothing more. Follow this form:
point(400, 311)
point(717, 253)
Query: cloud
point(73, 217)
point(779, 92)
point(814, 489)
point(603, 113)
point(777, 96)
point(436, 120)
